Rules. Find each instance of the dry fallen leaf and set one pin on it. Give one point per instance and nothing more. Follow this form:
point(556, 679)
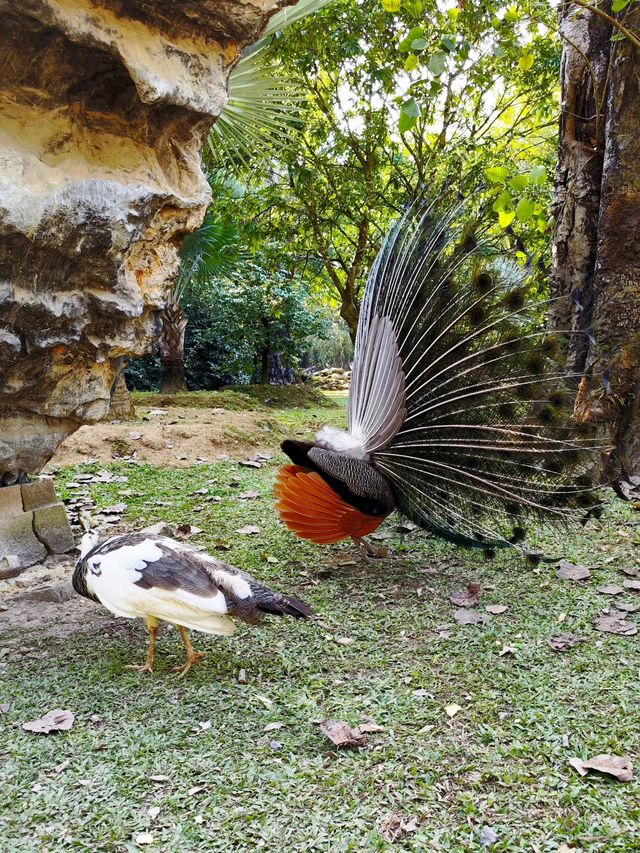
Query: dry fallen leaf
point(564, 642)
point(144, 838)
point(467, 597)
point(116, 509)
point(248, 530)
point(453, 709)
point(620, 767)
point(153, 812)
point(496, 609)
point(54, 721)
point(159, 778)
point(569, 572)
point(344, 735)
point(369, 727)
point(634, 586)
point(249, 496)
point(629, 571)
point(616, 625)
point(341, 734)
point(610, 589)
point(507, 650)
point(627, 606)
point(272, 727)
point(250, 463)
point(345, 641)
point(197, 789)
point(469, 617)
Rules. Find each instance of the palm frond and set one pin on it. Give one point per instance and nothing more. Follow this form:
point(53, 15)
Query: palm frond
point(209, 252)
point(263, 104)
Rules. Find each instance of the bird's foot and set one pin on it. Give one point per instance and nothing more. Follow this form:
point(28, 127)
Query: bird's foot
point(191, 660)
point(368, 551)
point(140, 667)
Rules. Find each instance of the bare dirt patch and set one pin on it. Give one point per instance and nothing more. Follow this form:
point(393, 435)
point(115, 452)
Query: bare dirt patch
point(174, 437)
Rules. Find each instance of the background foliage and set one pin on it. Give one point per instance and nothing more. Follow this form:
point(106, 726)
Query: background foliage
point(407, 98)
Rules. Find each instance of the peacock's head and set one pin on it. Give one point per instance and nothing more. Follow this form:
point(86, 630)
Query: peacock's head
point(90, 538)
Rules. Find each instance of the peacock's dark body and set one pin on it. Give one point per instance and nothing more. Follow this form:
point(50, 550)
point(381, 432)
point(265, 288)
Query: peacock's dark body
point(459, 413)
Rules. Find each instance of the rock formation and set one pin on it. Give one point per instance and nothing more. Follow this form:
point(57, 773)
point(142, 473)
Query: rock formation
point(104, 108)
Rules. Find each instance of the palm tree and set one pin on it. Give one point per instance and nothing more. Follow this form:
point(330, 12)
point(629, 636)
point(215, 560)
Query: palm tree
point(256, 121)
point(210, 251)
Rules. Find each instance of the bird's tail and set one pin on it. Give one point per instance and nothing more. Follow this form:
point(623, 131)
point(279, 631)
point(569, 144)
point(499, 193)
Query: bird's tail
point(488, 438)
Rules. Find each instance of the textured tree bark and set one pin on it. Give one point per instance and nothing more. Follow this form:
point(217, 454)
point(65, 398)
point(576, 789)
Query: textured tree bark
point(598, 229)
point(171, 343)
point(105, 107)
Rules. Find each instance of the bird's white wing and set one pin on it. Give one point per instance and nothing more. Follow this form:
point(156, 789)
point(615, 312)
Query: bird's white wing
point(141, 579)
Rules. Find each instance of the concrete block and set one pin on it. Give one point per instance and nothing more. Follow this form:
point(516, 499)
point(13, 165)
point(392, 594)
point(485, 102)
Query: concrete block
point(17, 538)
point(37, 494)
point(10, 501)
point(51, 526)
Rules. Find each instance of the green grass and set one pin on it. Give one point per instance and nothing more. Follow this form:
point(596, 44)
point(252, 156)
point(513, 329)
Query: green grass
point(240, 398)
point(499, 762)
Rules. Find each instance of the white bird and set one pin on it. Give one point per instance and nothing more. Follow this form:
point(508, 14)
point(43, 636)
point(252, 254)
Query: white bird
point(142, 575)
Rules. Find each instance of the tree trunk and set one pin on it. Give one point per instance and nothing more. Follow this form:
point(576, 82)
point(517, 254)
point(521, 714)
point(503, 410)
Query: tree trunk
point(265, 359)
point(174, 324)
point(350, 313)
point(598, 223)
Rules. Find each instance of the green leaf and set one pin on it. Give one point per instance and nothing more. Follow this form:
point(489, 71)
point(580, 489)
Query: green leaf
point(496, 174)
point(498, 51)
point(511, 14)
point(525, 209)
point(506, 217)
point(438, 63)
point(411, 36)
point(496, 23)
point(503, 201)
point(448, 43)
point(538, 175)
point(454, 13)
point(519, 182)
point(391, 5)
point(619, 5)
point(418, 44)
point(411, 62)
point(526, 61)
point(410, 111)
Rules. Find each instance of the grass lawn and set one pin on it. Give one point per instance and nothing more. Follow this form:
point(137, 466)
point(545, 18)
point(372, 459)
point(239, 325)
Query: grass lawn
point(159, 764)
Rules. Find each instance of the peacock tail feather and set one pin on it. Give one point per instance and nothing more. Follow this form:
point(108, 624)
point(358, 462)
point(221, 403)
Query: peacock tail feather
point(459, 394)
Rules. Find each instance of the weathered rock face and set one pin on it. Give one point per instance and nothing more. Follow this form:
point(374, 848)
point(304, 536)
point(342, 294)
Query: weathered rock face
point(104, 108)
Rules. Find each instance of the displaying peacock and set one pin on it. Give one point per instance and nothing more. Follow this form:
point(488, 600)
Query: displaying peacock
point(142, 575)
point(459, 412)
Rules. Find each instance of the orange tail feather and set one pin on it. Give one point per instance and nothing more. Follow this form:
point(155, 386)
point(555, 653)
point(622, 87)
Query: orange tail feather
point(310, 507)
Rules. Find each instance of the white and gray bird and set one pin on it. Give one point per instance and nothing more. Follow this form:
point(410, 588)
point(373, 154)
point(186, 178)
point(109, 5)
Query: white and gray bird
point(155, 578)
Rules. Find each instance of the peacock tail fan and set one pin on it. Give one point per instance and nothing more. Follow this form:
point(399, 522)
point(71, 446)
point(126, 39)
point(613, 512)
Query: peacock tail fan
point(483, 439)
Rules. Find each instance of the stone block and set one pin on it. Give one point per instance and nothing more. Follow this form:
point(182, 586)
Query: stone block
point(49, 594)
point(18, 539)
point(10, 501)
point(51, 526)
point(37, 494)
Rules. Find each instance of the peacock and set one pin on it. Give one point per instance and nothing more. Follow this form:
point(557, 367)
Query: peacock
point(459, 411)
point(159, 579)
